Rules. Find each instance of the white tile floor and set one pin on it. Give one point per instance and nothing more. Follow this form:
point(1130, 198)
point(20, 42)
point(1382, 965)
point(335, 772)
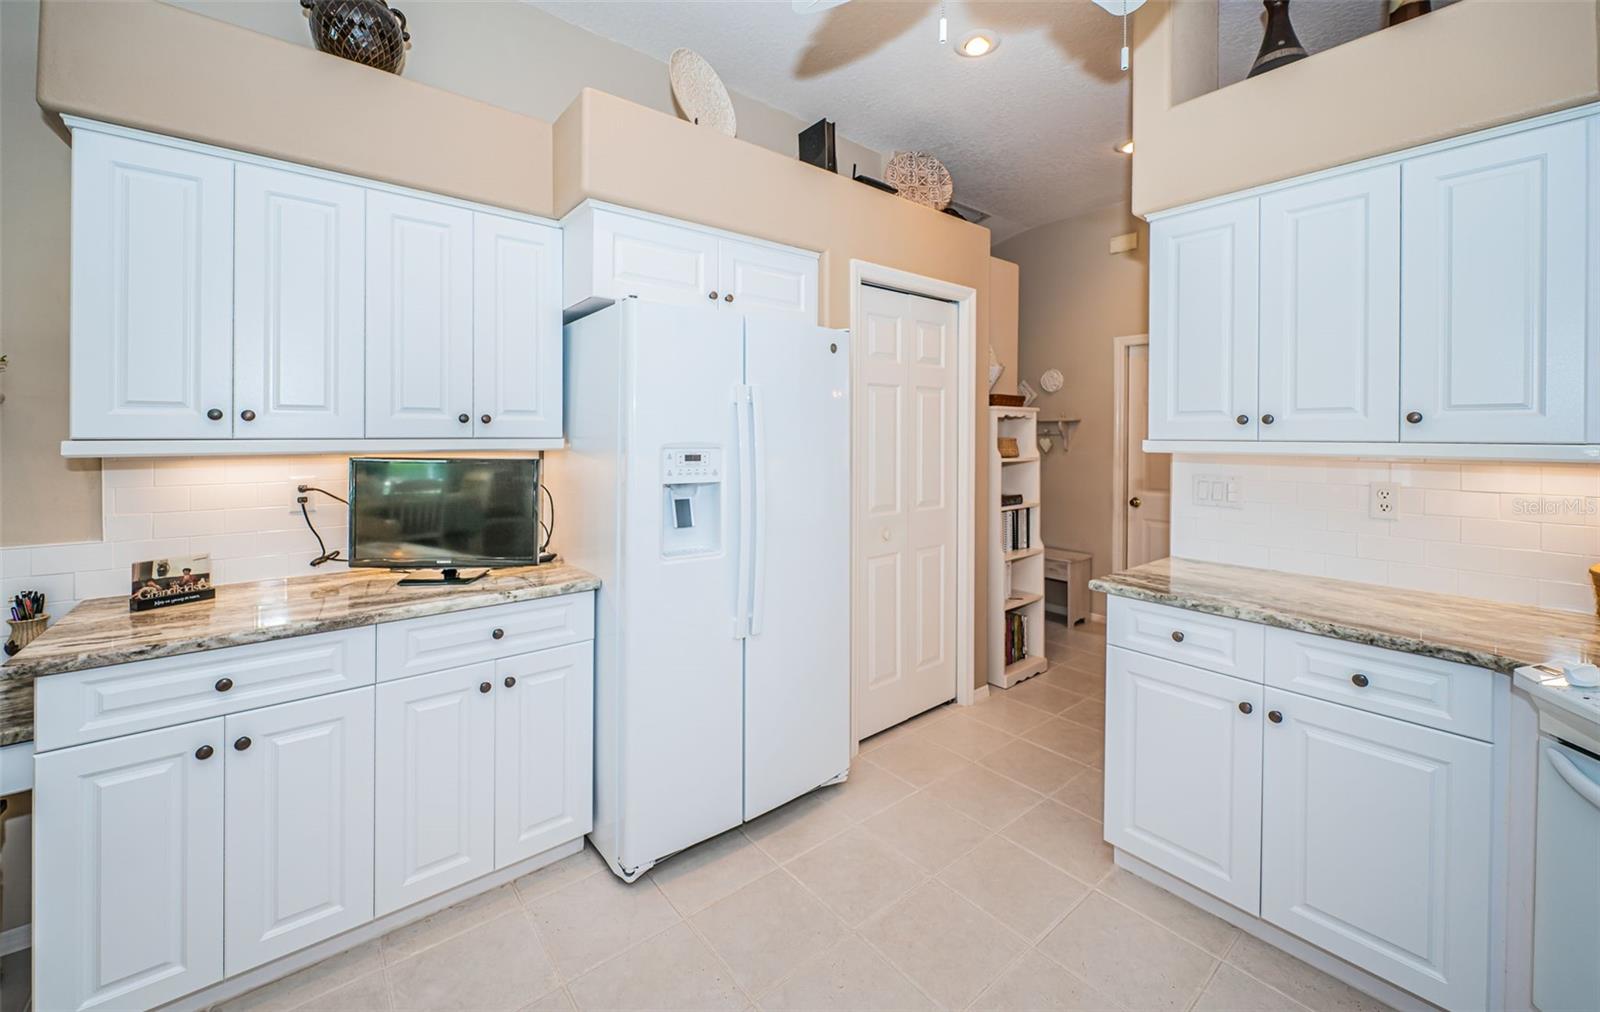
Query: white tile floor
point(961, 866)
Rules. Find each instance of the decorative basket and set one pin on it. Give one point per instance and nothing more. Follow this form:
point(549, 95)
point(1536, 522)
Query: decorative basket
point(1007, 400)
point(1007, 446)
point(26, 630)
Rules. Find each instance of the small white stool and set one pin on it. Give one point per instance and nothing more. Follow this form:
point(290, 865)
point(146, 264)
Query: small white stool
point(1072, 569)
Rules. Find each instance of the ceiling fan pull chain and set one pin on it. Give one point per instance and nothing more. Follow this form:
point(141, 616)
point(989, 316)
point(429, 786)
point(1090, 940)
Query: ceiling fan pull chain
point(944, 25)
point(1124, 36)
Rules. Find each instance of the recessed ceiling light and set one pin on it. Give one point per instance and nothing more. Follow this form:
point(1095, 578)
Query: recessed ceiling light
point(1126, 148)
point(980, 42)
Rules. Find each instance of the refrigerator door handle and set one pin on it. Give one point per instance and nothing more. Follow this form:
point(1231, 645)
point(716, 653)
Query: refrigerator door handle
point(758, 564)
point(743, 426)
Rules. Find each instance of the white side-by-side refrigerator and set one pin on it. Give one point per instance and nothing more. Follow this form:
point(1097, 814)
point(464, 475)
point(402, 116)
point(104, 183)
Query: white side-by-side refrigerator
point(707, 483)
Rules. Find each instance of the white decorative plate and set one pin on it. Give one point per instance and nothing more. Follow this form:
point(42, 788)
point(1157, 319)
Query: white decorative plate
point(920, 178)
point(1051, 380)
point(700, 92)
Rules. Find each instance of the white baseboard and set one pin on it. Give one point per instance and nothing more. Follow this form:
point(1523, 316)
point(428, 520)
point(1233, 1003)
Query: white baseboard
point(980, 693)
point(16, 939)
point(1333, 966)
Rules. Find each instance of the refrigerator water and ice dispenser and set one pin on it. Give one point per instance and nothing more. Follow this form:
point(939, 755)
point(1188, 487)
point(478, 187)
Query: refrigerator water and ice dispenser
point(691, 501)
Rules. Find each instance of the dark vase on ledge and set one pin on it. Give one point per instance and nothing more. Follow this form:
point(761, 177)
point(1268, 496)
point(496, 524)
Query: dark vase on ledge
point(1280, 45)
point(364, 31)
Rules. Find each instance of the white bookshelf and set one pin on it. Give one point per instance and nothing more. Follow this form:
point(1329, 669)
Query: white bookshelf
point(1016, 574)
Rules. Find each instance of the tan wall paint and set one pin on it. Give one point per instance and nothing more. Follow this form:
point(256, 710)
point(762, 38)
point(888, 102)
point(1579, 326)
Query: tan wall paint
point(694, 174)
point(1472, 65)
point(43, 497)
point(1076, 298)
point(1004, 279)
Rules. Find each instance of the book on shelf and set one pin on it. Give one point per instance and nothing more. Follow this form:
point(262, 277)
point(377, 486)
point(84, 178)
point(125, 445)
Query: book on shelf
point(1016, 637)
point(1016, 530)
point(1011, 499)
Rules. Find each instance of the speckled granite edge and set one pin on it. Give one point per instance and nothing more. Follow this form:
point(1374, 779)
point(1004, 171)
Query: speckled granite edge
point(1483, 634)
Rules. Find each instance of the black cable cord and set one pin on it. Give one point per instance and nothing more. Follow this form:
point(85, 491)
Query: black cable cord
point(549, 528)
point(302, 499)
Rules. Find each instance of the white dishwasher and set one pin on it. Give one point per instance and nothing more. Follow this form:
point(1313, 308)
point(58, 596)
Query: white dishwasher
point(1566, 905)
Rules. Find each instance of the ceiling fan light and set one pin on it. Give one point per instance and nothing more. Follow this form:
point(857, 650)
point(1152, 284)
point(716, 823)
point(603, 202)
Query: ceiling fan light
point(1126, 148)
point(980, 42)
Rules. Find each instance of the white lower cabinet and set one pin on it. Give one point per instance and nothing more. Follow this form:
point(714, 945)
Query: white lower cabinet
point(299, 825)
point(1183, 772)
point(435, 783)
point(1375, 844)
point(544, 748)
point(127, 869)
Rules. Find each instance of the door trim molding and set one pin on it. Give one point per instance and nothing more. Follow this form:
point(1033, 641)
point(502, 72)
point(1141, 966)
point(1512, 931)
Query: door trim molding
point(1119, 446)
point(966, 300)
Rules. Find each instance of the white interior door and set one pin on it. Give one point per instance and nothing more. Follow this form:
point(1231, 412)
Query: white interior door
point(1148, 502)
point(299, 324)
point(906, 508)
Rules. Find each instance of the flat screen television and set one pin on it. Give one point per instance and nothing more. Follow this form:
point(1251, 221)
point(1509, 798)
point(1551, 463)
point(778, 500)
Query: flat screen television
point(444, 513)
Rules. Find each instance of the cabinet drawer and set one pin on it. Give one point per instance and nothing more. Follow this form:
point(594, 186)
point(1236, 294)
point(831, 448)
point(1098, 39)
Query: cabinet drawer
point(1207, 641)
point(419, 645)
point(80, 706)
point(1422, 690)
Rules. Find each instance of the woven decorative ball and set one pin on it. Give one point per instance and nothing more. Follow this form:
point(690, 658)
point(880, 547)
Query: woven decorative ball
point(920, 178)
point(700, 92)
point(362, 31)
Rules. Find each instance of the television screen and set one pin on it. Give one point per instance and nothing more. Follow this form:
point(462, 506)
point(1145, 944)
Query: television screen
point(422, 513)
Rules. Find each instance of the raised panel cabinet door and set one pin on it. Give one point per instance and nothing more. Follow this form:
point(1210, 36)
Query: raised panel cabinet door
point(1183, 772)
point(757, 278)
point(1330, 309)
point(127, 869)
point(516, 327)
point(152, 291)
point(654, 260)
point(299, 319)
point(1203, 323)
point(299, 824)
point(544, 751)
point(419, 318)
point(1375, 845)
point(434, 807)
point(1493, 329)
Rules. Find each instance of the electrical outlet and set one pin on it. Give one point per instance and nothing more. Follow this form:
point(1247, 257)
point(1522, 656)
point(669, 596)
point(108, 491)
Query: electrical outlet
point(1384, 503)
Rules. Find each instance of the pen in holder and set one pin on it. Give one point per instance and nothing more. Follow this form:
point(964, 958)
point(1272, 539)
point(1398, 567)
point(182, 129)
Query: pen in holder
point(25, 631)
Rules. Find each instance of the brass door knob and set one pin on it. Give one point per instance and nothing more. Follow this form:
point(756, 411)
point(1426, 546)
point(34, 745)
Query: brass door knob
point(1135, 502)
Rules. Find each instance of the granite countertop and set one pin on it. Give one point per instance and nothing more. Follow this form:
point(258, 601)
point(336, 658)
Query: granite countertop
point(103, 631)
point(1484, 634)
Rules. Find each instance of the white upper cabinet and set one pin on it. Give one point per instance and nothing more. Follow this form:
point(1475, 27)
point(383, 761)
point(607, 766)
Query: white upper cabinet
point(613, 253)
point(1497, 277)
point(152, 291)
point(516, 326)
point(419, 318)
point(1330, 309)
point(1203, 283)
point(757, 278)
point(299, 295)
point(1376, 844)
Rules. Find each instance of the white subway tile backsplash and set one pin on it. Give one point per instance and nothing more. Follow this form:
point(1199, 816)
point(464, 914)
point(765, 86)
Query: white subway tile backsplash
point(221, 497)
point(155, 499)
point(135, 528)
point(1522, 533)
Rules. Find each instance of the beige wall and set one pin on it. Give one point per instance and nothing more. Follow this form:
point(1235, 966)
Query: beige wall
point(1075, 298)
point(1472, 65)
point(1004, 279)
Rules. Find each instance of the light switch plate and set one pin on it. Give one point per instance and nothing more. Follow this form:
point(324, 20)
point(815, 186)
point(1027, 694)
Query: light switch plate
point(1217, 490)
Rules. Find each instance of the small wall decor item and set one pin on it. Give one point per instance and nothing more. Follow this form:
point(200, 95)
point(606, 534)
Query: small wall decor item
point(1051, 380)
point(700, 93)
point(920, 178)
point(365, 31)
point(995, 369)
point(28, 619)
point(1029, 394)
point(1279, 45)
point(161, 583)
point(816, 146)
point(1405, 10)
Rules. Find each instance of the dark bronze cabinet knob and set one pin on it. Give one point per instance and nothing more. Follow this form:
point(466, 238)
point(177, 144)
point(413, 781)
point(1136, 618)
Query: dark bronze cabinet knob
point(498, 634)
point(1243, 419)
point(463, 418)
point(204, 752)
point(215, 414)
point(728, 297)
point(484, 419)
point(1177, 637)
point(224, 684)
point(1414, 417)
point(1245, 707)
point(1267, 419)
point(1360, 680)
point(248, 415)
point(1275, 716)
point(511, 680)
point(241, 743)
point(484, 687)
point(712, 296)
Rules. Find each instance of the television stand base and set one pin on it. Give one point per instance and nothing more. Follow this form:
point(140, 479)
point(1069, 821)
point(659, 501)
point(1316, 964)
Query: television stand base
point(446, 576)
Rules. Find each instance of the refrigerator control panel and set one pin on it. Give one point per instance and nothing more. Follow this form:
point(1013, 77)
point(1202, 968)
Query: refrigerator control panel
point(692, 465)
